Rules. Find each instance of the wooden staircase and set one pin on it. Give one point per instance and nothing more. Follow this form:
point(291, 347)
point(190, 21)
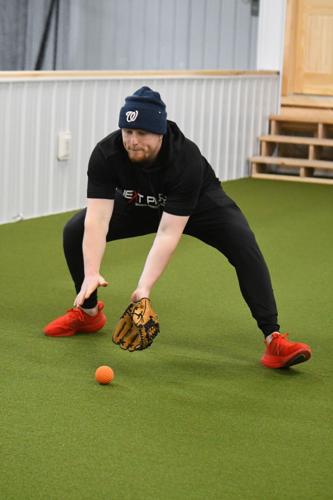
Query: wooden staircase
point(299, 147)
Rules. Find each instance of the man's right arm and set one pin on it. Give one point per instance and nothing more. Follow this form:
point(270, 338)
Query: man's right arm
point(96, 225)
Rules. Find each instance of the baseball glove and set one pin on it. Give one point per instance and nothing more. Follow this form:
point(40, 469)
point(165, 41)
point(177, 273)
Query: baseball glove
point(137, 327)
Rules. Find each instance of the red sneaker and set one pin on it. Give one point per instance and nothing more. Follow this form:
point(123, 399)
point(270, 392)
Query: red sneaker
point(281, 352)
point(76, 320)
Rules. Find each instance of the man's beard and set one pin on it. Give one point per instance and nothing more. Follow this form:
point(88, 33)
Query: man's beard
point(141, 159)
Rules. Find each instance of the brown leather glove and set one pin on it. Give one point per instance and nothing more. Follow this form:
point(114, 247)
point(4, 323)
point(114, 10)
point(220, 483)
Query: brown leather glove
point(137, 327)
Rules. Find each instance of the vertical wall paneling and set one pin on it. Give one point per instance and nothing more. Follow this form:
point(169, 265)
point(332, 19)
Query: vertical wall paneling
point(5, 126)
point(224, 115)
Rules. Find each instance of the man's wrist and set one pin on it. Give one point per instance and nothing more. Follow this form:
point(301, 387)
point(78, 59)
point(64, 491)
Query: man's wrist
point(140, 293)
point(144, 289)
point(90, 275)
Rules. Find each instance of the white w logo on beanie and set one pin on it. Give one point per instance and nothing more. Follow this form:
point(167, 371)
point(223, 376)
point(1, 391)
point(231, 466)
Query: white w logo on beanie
point(131, 116)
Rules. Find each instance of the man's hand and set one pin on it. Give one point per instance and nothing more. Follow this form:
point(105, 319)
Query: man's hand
point(89, 285)
point(139, 294)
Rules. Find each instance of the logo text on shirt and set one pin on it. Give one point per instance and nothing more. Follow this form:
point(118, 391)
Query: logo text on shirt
point(144, 200)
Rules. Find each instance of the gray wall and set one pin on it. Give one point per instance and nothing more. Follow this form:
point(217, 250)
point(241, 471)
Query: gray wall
point(131, 34)
point(13, 26)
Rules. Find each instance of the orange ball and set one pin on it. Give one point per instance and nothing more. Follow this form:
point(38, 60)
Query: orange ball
point(104, 375)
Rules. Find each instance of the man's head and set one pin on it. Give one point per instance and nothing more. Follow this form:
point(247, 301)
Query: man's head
point(143, 122)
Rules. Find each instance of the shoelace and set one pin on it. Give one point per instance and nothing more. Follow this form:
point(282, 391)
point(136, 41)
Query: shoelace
point(279, 343)
point(77, 314)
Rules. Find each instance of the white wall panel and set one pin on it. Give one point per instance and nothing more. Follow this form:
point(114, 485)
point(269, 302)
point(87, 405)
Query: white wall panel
point(223, 114)
point(270, 37)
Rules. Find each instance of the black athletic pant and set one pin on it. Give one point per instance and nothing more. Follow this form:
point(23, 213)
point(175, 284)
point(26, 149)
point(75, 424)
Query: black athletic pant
point(223, 227)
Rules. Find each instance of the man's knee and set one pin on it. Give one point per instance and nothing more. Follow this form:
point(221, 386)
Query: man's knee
point(242, 248)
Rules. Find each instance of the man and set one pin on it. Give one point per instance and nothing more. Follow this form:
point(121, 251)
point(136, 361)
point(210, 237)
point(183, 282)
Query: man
point(148, 178)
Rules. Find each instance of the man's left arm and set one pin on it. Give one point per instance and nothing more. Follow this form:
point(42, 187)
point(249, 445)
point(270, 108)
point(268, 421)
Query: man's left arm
point(169, 232)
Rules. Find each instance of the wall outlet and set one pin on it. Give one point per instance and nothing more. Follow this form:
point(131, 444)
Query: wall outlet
point(64, 145)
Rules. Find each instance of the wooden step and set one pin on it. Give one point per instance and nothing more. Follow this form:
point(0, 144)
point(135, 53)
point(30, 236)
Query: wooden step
point(304, 112)
point(298, 169)
point(292, 178)
point(289, 139)
point(307, 101)
point(302, 145)
point(312, 148)
point(293, 162)
point(311, 124)
point(310, 117)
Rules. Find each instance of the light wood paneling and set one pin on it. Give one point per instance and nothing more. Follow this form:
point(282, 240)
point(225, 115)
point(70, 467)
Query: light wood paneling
point(288, 76)
point(308, 55)
point(314, 47)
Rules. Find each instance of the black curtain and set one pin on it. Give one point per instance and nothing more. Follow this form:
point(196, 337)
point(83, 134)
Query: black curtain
point(50, 27)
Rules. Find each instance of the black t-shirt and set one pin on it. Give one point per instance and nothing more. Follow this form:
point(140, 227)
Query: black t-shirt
point(175, 183)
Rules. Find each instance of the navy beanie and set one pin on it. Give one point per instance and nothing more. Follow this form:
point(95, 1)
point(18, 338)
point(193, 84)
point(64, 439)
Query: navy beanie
point(144, 110)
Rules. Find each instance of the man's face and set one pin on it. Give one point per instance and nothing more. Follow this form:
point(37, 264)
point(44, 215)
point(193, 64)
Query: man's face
point(140, 145)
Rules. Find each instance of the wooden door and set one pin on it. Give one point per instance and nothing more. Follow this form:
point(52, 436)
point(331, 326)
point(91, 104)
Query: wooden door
point(308, 64)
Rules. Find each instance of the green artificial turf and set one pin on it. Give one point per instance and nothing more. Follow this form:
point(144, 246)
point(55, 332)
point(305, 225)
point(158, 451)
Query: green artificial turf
point(195, 416)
